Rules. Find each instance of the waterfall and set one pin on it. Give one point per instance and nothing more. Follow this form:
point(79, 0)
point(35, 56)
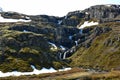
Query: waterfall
point(65, 17)
point(64, 55)
point(81, 31)
point(25, 31)
point(59, 22)
point(63, 48)
point(54, 46)
point(76, 43)
point(70, 37)
point(60, 56)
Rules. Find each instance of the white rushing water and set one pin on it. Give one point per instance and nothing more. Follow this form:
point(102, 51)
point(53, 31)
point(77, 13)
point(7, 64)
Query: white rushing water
point(12, 20)
point(81, 31)
point(64, 55)
point(70, 37)
point(59, 21)
point(1, 9)
point(35, 71)
point(87, 23)
point(54, 46)
point(25, 30)
point(60, 56)
point(108, 5)
point(62, 47)
point(76, 43)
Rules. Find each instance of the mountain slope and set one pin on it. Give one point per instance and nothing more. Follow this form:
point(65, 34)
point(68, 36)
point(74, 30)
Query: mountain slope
point(88, 38)
point(104, 52)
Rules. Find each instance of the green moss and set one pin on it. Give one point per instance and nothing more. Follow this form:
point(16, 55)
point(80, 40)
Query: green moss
point(28, 50)
point(12, 64)
point(99, 55)
point(57, 65)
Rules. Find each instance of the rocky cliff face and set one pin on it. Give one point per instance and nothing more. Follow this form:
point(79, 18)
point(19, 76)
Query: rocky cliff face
point(103, 13)
point(49, 41)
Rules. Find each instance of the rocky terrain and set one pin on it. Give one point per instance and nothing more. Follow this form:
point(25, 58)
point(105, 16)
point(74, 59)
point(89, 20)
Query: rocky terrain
point(50, 41)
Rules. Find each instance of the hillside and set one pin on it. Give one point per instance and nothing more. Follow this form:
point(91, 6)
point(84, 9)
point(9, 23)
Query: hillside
point(88, 39)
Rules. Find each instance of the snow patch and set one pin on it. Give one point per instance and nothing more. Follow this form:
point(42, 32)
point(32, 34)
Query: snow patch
point(28, 18)
point(108, 5)
point(86, 13)
point(87, 23)
point(35, 71)
point(65, 69)
point(12, 20)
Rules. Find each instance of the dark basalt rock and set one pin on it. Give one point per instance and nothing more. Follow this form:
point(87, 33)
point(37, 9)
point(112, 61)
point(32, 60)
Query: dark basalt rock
point(60, 34)
point(104, 13)
point(73, 18)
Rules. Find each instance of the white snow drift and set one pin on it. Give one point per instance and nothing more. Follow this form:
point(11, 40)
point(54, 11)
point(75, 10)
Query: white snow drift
point(87, 23)
point(12, 20)
point(35, 71)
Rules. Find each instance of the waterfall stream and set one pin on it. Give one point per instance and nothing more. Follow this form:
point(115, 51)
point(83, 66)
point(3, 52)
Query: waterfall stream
point(59, 22)
point(64, 55)
point(25, 30)
point(60, 56)
point(81, 31)
point(76, 43)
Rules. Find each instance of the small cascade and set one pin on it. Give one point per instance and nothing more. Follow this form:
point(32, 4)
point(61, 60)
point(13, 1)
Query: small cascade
point(65, 17)
point(70, 37)
point(64, 55)
point(60, 56)
point(25, 31)
point(81, 31)
point(62, 48)
point(59, 22)
point(76, 43)
point(53, 45)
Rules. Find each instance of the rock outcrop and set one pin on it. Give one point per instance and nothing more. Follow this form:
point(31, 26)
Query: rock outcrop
point(103, 13)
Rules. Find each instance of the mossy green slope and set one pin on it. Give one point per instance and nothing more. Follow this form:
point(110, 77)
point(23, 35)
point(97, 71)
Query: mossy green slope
point(104, 52)
point(22, 49)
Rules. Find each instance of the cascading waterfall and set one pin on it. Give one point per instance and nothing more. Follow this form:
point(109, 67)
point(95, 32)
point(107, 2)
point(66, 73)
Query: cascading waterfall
point(65, 17)
point(63, 48)
point(54, 46)
point(64, 55)
point(25, 30)
point(59, 22)
point(76, 43)
point(70, 37)
point(81, 31)
point(60, 56)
